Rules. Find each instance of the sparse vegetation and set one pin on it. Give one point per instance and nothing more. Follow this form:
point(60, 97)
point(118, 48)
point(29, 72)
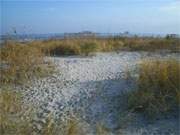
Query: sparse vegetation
point(20, 62)
point(69, 126)
point(15, 119)
point(101, 130)
point(158, 88)
point(158, 82)
point(152, 44)
point(84, 46)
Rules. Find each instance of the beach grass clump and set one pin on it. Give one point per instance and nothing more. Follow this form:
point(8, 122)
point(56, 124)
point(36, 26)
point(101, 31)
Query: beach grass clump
point(72, 46)
point(158, 88)
point(20, 62)
point(85, 46)
point(69, 126)
point(151, 44)
point(15, 119)
point(65, 49)
point(89, 46)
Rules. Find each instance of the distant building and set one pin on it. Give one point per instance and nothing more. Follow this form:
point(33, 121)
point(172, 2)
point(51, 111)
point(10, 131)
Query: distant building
point(170, 36)
point(80, 34)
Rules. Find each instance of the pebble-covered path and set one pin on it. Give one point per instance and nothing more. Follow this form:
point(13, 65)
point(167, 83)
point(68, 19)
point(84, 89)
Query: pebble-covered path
point(93, 86)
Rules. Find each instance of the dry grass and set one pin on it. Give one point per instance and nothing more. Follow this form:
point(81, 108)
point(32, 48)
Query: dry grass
point(152, 44)
point(70, 126)
point(101, 129)
point(85, 46)
point(15, 119)
point(158, 88)
point(73, 127)
point(69, 46)
point(158, 82)
point(20, 62)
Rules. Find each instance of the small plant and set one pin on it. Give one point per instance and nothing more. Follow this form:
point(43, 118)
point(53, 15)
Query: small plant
point(158, 88)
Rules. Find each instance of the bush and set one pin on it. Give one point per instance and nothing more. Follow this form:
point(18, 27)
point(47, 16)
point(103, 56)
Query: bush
point(158, 88)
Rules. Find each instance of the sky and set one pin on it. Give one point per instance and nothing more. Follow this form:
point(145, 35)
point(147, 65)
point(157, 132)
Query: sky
point(104, 16)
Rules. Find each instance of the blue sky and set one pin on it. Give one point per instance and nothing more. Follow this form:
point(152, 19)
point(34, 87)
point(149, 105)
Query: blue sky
point(59, 16)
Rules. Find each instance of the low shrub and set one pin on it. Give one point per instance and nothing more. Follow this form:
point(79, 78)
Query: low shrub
point(158, 88)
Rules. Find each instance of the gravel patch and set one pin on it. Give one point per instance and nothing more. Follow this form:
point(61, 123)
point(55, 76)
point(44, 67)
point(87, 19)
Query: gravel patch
point(92, 86)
